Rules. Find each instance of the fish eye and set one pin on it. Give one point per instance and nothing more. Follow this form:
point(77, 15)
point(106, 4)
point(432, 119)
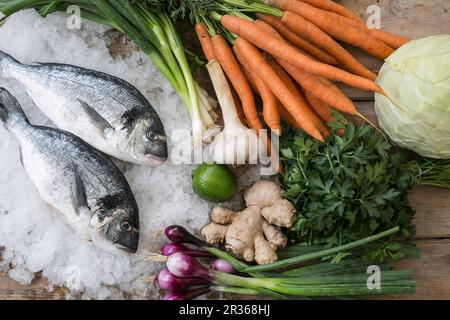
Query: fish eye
point(151, 136)
point(125, 226)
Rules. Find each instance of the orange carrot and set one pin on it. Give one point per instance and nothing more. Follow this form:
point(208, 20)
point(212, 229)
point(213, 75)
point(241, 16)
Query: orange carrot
point(323, 111)
point(205, 41)
point(286, 116)
point(330, 85)
point(326, 91)
point(280, 49)
point(389, 39)
point(256, 62)
point(336, 28)
point(333, 7)
point(298, 41)
point(313, 85)
point(318, 122)
point(237, 103)
point(270, 101)
point(313, 34)
point(271, 120)
point(320, 108)
point(299, 96)
point(234, 72)
point(267, 28)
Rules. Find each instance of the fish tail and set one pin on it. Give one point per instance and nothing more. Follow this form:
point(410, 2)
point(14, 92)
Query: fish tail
point(5, 61)
point(10, 109)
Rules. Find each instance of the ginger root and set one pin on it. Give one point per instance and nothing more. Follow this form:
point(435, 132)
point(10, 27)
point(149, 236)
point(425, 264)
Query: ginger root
point(253, 233)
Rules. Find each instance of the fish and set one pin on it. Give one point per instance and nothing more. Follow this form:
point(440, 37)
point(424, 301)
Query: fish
point(106, 112)
point(79, 183)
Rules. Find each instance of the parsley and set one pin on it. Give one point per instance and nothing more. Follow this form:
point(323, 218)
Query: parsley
point(347, 189)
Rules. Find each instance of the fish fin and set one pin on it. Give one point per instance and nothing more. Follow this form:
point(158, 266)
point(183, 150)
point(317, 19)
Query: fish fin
point(78, 194)
point(10, 109)
point(95, 118)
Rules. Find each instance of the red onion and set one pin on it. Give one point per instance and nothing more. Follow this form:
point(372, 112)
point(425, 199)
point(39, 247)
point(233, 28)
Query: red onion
point(183, 266)
point(167, 281)
point(178, 234)
point(222, 266)
point(172, 248)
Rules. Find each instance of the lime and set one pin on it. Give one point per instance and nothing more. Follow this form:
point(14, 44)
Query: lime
point(214, 182)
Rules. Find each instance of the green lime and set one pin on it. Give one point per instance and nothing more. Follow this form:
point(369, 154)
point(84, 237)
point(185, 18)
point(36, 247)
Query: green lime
point(214, 182)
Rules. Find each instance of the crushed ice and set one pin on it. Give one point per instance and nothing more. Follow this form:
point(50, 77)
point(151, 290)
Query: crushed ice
point(35, 240)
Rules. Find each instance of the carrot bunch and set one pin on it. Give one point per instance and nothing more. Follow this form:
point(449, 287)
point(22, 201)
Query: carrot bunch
point(287, 53)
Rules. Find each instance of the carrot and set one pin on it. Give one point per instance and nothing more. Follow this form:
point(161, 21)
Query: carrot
point(315, 35)
point(336, 28)
point(319, 123)
point(333, 7)
point(264, 26)
point(325, 90)
point(286, 116)
point(331, 85)
point(270, 101)
point(320, 108)
point(267, 28)
point(313, 85)
point(256, 62)
point(205, 41)
point(389, 39)
point(323, 111)
point(299, 96)
point(298, 41)
point(237, 103)
point(237, 78)
point(280, 49)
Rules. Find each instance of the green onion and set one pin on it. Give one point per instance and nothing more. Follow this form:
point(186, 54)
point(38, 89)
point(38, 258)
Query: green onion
point(154, 32)
point(320, 254)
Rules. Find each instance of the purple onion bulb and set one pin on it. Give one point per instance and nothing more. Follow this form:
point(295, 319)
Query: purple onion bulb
point(183, 266)
point(168, 282)
point(172, 248)
point(222, 266)
point(178, 234)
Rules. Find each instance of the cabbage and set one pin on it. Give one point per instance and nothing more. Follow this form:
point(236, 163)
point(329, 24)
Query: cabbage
point(416, 79)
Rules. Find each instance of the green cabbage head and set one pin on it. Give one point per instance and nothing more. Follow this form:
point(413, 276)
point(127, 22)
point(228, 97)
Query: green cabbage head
point(416, 79)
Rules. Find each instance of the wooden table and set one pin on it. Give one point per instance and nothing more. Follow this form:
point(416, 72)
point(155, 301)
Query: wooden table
point(413, 19)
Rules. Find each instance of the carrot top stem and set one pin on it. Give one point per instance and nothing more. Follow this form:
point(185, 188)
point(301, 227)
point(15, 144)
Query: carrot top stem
point(255, 6)
point(372, 124)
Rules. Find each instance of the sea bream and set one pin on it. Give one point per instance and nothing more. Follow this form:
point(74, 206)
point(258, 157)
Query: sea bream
point(78, 182)
point(106, 112)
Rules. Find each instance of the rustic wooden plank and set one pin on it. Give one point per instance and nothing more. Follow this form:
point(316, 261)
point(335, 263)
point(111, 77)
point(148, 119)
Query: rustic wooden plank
point(38, 290)
point(432, 271)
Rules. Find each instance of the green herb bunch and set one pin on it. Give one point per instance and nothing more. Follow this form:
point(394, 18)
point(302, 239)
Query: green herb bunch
point(346, 189)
